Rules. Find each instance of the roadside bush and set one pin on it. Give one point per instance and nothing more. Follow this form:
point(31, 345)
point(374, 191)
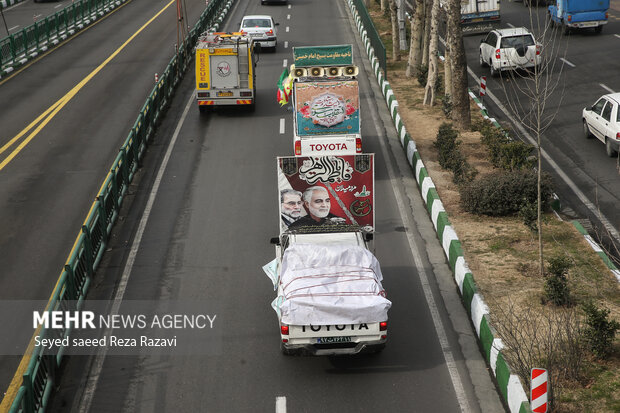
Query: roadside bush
point(599, 331)
point(515, 156)
point(422, 75)
point(556, 281)
point(450, 156)
point(529, 214)
point(505, 193)
point(446, 105)
point(447, 144)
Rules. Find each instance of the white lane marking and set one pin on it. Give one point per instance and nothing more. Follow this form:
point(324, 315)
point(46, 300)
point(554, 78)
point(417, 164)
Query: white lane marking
point(36, 17)
point(285, 63)
point(288, 17)
point(58, 6)
point(606, 88)
point(617, 35)
point(286, 45)
point(510, 25)
point(282, 124)
point(280, 404)
point(97, 364)
point(289, 6)
point(582, 197)
point(286, 29)
point(567, 62)
point(13, 28)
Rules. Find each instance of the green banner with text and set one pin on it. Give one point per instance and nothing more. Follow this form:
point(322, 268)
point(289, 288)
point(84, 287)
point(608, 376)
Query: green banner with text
point(339, 55)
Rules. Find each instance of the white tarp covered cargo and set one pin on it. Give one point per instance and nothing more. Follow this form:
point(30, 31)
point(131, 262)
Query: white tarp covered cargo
point(330, 285)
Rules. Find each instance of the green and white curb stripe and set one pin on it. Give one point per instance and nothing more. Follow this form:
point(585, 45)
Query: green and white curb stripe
point(509, 384)
point(6, 3)
point(598, 250)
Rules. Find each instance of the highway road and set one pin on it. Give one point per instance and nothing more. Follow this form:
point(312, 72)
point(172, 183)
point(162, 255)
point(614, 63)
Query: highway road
point(205, 238)
point(52, 164)
point(586, 180)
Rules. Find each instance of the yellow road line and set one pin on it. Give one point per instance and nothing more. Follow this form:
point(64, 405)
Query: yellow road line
point(16, 382)
point(55, 108)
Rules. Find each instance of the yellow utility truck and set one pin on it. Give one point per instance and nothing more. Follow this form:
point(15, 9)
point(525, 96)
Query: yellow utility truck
point(225, 74)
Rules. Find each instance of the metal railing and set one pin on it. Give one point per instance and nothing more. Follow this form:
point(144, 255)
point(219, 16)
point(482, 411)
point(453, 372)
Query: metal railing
point(373, 35)
point(18, 48)
point(40, 378)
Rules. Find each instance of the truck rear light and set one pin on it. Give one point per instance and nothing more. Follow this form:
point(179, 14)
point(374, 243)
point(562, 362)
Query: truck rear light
point(606, 15)
point(570, 18)
point(497, 54)
point(383, 326)
point(284, 330)
point(245, 93)
point(383, 337)
point(285, 340)
point(537, 49)
point(243, 32)
point(358, 145)
point(203, 94)
point(618, 135)
point(297, 148)
point(270, 32)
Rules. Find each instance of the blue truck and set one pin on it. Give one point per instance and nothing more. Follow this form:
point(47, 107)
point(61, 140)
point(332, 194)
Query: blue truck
point(579, 14)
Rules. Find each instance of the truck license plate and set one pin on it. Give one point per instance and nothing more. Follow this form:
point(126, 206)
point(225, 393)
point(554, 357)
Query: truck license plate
point(222, 94)
point(327, 340)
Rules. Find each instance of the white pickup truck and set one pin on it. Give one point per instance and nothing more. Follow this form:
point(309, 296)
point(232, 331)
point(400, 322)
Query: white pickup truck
point(329, 295)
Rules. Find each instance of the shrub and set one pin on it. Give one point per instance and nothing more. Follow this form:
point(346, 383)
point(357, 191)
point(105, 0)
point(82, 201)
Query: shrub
point(447, 145)
point(422, 75)
point(529, 214)
point(515, 156)
point(446, 105)
point(504, 193)
point(450, 156)
point(556, 281)
point(600, 331)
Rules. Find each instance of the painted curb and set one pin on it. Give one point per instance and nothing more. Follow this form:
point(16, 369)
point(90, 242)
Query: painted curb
point(598, 250)
point(509, 384)
point(6, 3)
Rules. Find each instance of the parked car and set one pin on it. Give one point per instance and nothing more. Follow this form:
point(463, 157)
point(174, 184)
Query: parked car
point(263, 2)
point(602, 120)
point(509, 49)
point(262, 29)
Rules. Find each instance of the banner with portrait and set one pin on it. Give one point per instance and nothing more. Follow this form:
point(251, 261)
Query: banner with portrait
point(326, 189)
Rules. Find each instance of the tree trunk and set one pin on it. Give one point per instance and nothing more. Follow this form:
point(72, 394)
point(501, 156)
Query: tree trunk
point(460, 101)
point(429, 90)
point(383, 5)
point(367, 4)
point(395, 31)
point(427, 31)
point(415, 48)
point(447, 64)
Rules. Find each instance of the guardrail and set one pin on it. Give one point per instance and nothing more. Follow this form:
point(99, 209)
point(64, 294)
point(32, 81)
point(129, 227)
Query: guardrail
point(18, 48)
point(39, 378)
point(376, 46)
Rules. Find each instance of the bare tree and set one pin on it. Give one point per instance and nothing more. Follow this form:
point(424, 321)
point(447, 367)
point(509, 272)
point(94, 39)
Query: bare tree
point(447, 64)
point(546, 337)
point(429, 90)
point(395, 31)
point(528, 96)
point(384, 5)
point(415, 46)
point(458, 62)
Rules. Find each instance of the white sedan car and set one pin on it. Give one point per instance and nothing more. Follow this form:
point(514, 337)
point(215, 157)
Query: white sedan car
point(603, 121)
point(262, 29)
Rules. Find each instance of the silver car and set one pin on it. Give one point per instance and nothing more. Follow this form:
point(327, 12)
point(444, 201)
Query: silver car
point(603, 121)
